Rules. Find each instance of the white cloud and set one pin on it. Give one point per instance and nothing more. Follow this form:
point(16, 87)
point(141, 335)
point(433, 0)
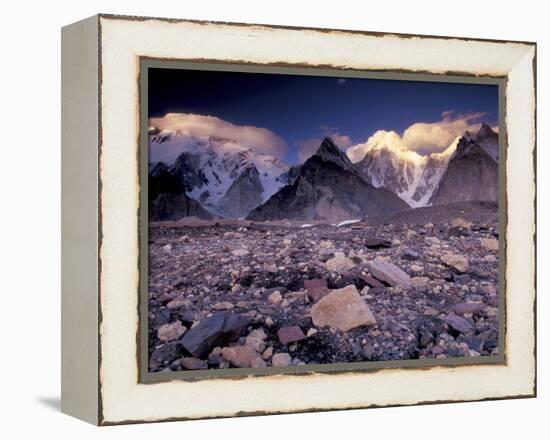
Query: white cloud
point(308, 147)
point(341, 81)
point(434, 137)
point(202, 127)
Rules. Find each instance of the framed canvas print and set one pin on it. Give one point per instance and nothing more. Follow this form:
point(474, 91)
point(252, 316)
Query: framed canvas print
point(262, 220)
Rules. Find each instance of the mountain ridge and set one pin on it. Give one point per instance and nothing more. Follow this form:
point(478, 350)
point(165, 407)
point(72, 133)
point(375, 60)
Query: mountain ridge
point(328, 187)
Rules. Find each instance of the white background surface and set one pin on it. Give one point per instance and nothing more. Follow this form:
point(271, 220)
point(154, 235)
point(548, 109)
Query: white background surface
point(30, 217)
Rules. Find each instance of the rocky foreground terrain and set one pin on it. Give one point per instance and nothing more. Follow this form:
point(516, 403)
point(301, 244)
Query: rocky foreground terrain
point(228, 293)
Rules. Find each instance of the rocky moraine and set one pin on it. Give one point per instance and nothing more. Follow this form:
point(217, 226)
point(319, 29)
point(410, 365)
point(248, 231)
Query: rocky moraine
point(226, 294)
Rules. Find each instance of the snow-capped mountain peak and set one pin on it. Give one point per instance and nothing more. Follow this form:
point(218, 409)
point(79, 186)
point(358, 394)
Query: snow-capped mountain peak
point(209, 165)
point(389, 163)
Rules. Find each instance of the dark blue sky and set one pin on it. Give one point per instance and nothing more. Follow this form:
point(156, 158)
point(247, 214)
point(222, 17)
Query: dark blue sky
point(296, 107)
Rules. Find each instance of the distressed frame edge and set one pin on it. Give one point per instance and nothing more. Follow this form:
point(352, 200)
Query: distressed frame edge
point(104, 422)
point(142, 18)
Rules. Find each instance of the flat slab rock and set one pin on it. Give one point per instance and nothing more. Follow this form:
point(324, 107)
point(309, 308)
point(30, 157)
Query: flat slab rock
point(288, 335)
point(459, 324)
point(470, 307)
point(343, 309)
point(377, 243)
point(389, 272)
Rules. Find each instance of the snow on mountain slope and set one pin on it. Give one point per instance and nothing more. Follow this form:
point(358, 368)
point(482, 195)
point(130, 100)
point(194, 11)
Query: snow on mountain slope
point(434, 168)
point(208, 165)
point(387, 162)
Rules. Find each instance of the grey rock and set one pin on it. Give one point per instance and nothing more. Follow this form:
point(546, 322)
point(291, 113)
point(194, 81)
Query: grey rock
point(462, 278)
point(389, 273)
point(216, 330)
point(409, 254)
point(281, 360)
point(377, 243)
point(470, 307)
point(164, 354)
point(459, 324)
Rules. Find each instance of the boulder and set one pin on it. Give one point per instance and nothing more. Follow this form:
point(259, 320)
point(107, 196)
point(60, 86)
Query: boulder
point(281, 360)
point(218, 329)
point(469, 307)
point(389, 273)
point(459, 222)
point(287, 335)
point(343, 309)
point(409, 254)
point(419, 281)
point(164, 354)
point(268, 352)
point(456, 261)
point(373, 282)
point(169, 332)
point(432, 240)
point(490, 244)
point(190, 363)
point(224, 305)
point(242, 356)
point(176, 303)
point(377, 243)
point(316, 289)
point(240, 253)
point(275, 298)
point(340, 263)
point(256, 339)
point(459, 324)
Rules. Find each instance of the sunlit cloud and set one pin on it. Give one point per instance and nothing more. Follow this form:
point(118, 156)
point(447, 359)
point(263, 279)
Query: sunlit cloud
point(203, 127)
point(422, 137)
point(434, 137)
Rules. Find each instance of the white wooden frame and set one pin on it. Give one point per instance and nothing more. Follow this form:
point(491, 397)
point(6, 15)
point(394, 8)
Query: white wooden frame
point(100, 223)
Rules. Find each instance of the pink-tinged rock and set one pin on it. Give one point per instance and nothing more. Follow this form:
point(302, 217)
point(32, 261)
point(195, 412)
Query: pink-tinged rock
point(491, 244)
point(169, 332)
point(287, 335)
point(242, 356)
point(190, 363)
point(340, 264)
point(225, 305)
point(343, 309)
point(389, 273)
point(316, 289)
point(470, 307)
point(373, 282)
point(456, 261)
